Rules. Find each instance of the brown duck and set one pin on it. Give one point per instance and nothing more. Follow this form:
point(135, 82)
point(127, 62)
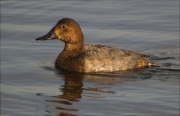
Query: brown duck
point(91, 58)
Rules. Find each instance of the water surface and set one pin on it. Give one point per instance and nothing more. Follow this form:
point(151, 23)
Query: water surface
point(30, 85)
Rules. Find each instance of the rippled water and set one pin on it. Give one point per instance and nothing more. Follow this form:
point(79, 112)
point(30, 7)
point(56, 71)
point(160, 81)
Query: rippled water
point(30, 85)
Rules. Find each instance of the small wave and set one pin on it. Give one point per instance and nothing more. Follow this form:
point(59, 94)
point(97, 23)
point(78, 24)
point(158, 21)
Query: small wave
point(163, 58)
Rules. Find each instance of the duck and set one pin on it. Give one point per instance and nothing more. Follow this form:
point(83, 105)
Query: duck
point(91, 58)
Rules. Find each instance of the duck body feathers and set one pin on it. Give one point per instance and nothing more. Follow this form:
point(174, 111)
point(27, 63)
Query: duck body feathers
point(101, 58)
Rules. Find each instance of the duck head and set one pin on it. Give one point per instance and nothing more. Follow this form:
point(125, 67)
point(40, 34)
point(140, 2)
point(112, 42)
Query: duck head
point(66, 30)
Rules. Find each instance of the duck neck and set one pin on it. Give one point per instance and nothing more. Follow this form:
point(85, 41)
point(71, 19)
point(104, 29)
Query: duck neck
point(71, 50)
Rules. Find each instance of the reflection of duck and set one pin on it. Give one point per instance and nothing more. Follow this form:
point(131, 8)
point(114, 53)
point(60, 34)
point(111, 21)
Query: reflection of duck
point(72, 88)
point(77, 57)
point(73, 91)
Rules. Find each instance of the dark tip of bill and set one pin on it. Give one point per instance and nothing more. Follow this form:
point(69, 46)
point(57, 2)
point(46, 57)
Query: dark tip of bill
point(38, 39)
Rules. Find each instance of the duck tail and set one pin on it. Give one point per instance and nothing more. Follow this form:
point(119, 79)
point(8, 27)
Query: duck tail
point(154, 64)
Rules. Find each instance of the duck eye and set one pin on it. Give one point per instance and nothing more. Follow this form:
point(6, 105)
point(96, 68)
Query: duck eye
point(63, 26)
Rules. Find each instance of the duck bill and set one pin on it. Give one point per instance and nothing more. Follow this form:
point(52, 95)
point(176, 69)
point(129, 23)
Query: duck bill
point(48, 36)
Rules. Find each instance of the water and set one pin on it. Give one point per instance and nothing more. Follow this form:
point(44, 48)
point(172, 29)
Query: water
point(31, 86)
